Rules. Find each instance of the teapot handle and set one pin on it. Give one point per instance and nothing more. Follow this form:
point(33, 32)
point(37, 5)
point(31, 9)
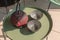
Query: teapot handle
point(18, 6)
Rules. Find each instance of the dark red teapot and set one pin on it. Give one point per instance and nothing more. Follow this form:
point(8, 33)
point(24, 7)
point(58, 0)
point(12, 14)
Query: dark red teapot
point(19, 18)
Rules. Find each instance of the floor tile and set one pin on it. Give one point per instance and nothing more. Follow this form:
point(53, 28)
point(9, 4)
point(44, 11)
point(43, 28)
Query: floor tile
point(1, 30)
point(1, 38)
point(54, 36)
point(55, 14)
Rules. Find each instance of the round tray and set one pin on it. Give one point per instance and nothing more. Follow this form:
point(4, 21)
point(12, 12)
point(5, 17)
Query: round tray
point(55, 2)
point(22, 34)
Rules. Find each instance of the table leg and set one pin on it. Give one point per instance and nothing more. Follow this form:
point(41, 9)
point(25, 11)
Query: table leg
point(49, 6)
point(46, 38)
point(4, 35)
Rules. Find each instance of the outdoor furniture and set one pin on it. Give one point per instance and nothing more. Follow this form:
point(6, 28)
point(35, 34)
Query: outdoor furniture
point(23, 34)
point(57, 2)
point(14, 33)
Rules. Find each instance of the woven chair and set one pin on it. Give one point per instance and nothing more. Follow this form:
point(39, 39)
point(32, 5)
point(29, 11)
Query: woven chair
point(57, 2)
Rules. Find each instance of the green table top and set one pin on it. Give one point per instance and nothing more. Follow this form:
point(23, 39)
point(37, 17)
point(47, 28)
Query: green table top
point(56, 2)
point(22, 34)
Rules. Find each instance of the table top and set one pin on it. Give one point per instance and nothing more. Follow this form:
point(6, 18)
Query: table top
point(20, 34)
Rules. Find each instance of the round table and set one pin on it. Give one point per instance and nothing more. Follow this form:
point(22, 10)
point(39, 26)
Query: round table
point(23, 34)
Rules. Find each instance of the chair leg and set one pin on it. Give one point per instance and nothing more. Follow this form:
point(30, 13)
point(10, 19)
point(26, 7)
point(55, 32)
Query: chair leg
point(49, 6)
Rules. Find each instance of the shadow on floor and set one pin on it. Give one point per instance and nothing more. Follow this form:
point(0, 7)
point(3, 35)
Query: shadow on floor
point(4, 3)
